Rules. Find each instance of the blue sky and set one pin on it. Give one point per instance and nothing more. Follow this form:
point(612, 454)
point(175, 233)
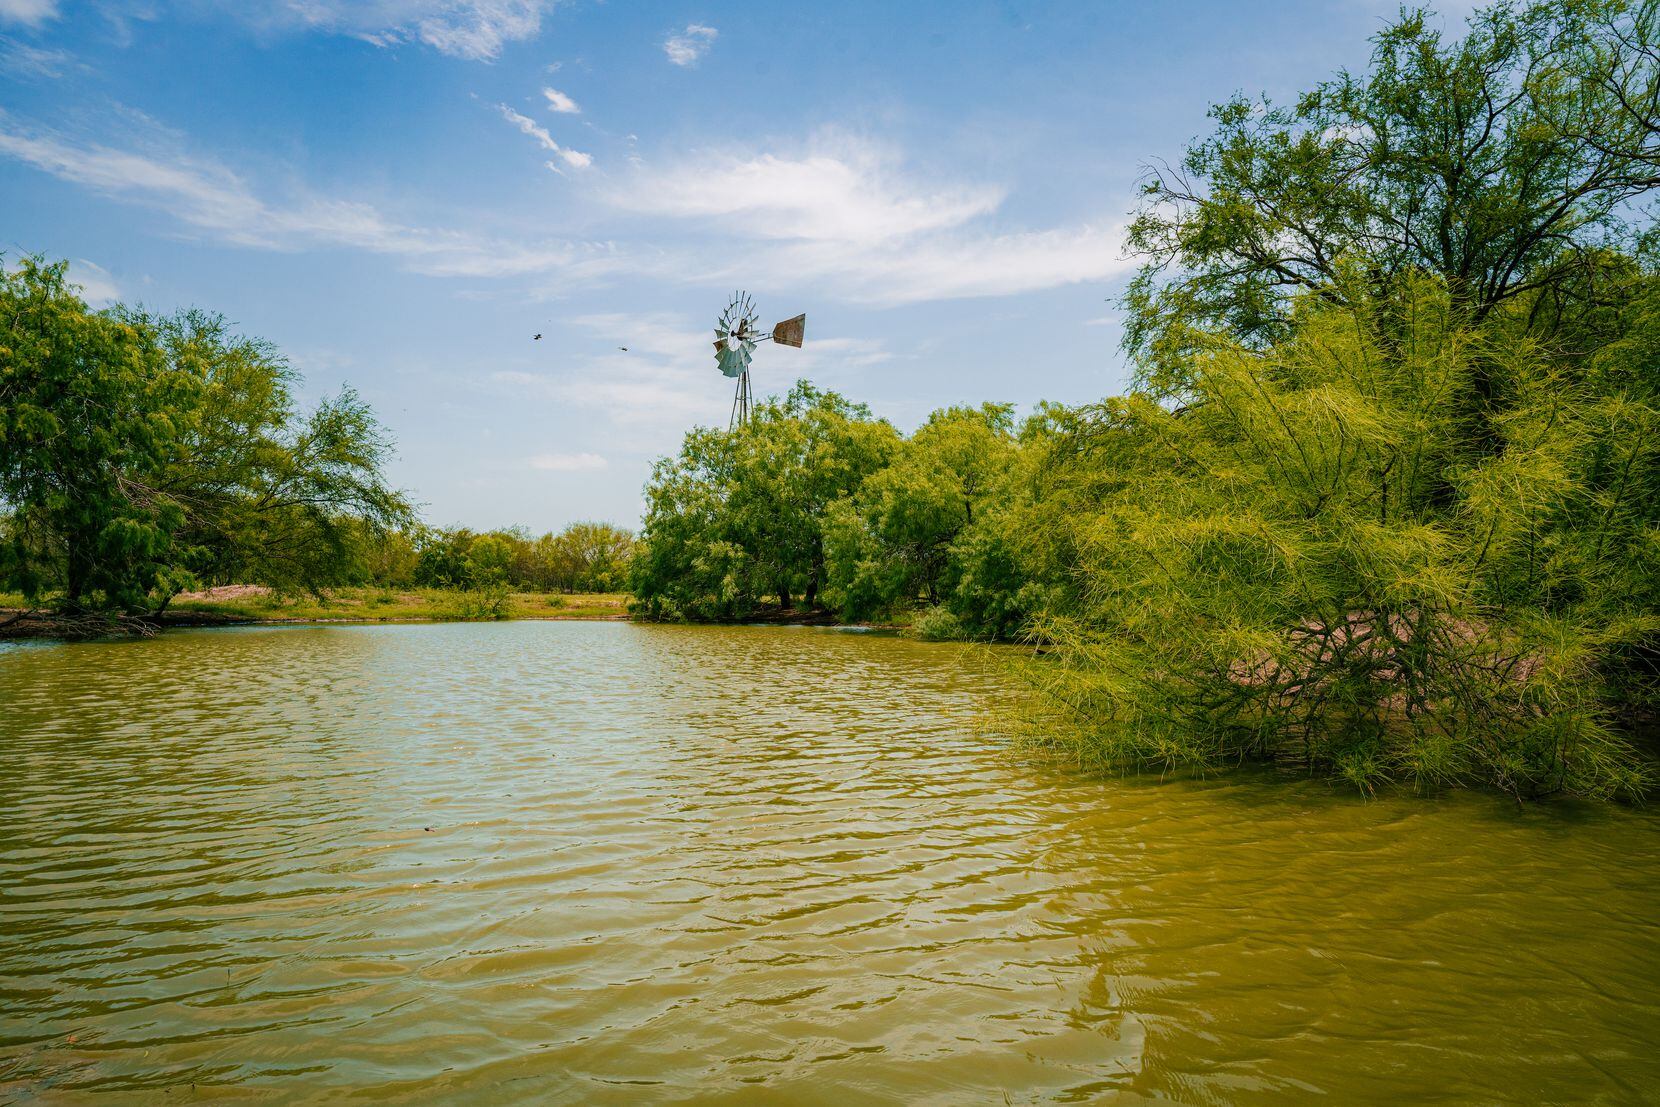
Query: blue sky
point(399, 193)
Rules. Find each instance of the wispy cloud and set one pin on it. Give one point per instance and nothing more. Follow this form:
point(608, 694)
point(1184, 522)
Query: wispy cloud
point(19, 59)
point(98, 288)
point(576, 159)
point(843, 218)
point(659, 384)
point(686, 47)
point(667, 377)
point(559, 102)
point(568, 463)
point(212, 199)
point(30, 13)
point(849, 193)
point(477, 30)
point(949, 267)
point(845, 212)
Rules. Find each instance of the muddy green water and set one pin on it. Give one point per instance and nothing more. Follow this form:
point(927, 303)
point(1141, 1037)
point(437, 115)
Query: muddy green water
point(602, 863)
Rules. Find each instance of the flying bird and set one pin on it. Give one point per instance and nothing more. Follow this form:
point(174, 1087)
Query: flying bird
point(535, 338)
point(624, 349)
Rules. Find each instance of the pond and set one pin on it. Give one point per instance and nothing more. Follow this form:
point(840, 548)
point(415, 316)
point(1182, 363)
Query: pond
point(608, 863)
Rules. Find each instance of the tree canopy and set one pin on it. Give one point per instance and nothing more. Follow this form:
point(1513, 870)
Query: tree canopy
point(1387, 497)
point(140, 453)
point(1316, 564)
point(739, 516)
point(1384, 498)
point(1505, 162)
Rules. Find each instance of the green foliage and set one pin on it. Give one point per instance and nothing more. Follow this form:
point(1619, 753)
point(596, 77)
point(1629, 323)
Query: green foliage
point(816, 500)
point(489, 559)
point(89, 410)
point(1387, 499)
point(894, 541)
point(1317, 564)
point(936, 624)
point(143, 453)
point(584, 557)
point(274, 497)
point(488, 600)
point(740, 516)
point(387, 557)
point(1503, 163)
point(441, 559)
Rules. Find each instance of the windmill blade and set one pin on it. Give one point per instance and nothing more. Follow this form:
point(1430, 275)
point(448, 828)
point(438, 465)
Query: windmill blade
point(732, 362)
point(791, 332)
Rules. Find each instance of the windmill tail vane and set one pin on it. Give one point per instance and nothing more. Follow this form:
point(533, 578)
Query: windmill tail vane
point(736, 336)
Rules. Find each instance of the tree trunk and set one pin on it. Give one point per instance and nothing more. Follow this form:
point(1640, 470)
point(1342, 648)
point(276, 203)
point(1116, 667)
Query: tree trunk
point(810, 600)
point(77, 570)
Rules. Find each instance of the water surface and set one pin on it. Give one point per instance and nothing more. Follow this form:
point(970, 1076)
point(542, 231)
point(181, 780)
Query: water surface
point(605, 863)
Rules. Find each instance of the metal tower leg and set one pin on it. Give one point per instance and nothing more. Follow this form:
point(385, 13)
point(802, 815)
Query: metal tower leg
point(741, 402)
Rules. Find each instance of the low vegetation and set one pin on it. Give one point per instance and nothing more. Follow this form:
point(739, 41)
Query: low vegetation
point(1384, 499)
point(374, 604)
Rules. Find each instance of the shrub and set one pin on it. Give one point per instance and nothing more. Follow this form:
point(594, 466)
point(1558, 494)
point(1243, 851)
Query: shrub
point(485, 602)
point(937, 624)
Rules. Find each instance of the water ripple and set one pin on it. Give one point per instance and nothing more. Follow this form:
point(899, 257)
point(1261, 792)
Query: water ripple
point(597, 863)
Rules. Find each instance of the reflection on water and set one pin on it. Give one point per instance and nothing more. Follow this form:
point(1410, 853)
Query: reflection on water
point(591, 863)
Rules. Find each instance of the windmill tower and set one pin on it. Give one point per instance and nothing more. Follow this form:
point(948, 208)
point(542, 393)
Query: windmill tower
point(735, 339)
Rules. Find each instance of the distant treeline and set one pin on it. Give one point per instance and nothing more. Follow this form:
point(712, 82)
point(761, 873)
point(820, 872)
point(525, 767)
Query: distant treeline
point(1384, 497)
point(818, 503)
point(143, 455)
point(584, 557)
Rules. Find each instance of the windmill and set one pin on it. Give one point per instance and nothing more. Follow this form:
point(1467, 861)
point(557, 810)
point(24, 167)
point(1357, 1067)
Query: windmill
point(735, 339)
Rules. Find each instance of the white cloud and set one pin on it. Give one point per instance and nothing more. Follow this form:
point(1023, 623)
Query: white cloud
point(18, 59)
point(850, 192)
point(529, 126)
point(842, 220)
point(846, 213)
point(956, 267)
point(661, 383)
point(837, 352)
point(691, 44)
point(31, 13)
point(477, 30)
point(98, 288)
point(576, 159)
point(568, 463)
point(559, 102)
point(211, 198)
point(667, 378)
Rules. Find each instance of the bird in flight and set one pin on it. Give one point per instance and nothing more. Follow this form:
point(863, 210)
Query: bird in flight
point(624, 349)
point(535, 338)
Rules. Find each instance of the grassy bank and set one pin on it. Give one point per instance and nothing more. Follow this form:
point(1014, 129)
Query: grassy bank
point(372, 605)
point(243, 603)
point(377, 605)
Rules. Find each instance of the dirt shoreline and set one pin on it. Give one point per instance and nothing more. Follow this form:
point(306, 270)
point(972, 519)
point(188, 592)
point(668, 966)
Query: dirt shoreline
point(23, 625)
point(45, 624)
